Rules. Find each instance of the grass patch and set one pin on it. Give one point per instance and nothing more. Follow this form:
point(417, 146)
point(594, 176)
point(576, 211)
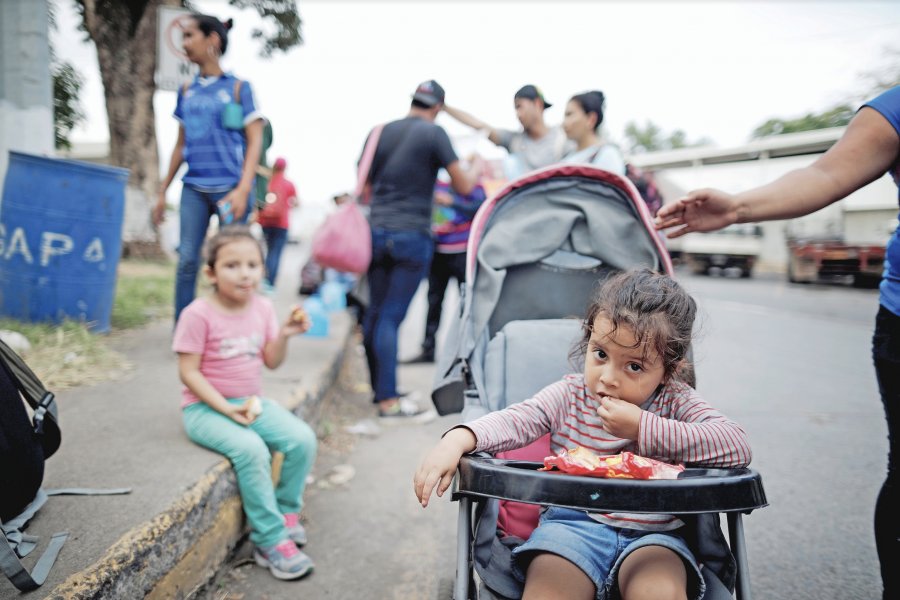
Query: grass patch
point(144, 291)
point(69, 355)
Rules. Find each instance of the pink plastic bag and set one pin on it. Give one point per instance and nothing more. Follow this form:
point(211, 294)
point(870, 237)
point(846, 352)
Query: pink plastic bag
point(344, 241)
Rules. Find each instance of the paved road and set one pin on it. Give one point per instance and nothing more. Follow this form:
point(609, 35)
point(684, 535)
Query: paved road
point(791, 363)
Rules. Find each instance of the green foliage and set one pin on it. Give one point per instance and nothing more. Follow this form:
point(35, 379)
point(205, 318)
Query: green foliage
point(67, 82)
point(283, 15)
point(837, 116)
point(651, 138)
point(67, 111)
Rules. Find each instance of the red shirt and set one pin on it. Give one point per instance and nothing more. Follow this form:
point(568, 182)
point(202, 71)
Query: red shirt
point(276, 214)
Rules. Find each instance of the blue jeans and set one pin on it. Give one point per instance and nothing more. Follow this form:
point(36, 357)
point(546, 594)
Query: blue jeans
point(275, 240)
point(400, 259)
point(599, 549)
point(195, 211)
point(249, 450)
point(886, 354)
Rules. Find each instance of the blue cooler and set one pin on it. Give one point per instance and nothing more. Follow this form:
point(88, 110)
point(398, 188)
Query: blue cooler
point(60, 239)
point(318, 316)
point(334, 295)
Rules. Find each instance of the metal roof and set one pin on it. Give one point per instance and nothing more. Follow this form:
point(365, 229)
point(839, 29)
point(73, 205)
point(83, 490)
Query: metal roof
point(776, 146)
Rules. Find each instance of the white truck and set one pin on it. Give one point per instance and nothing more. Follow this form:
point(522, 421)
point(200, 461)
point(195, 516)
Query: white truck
point(730, 251)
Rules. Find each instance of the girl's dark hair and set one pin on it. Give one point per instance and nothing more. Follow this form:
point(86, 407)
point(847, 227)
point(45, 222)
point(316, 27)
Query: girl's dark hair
point(592, 102)
point(227, 235)
point(208, 25)
point(655, 308)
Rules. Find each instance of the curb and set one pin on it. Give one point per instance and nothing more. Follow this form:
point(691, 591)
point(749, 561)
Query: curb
point(180, 550)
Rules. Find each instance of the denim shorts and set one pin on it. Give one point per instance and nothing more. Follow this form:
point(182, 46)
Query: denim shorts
point(593, 547)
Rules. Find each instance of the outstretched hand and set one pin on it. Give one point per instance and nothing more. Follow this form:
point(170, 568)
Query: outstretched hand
point(701, 210)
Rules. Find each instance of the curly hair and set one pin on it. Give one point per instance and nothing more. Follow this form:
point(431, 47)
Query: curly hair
point(655, 308)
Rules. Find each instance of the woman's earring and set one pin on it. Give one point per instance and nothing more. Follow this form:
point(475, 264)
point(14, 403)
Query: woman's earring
point(212, 51)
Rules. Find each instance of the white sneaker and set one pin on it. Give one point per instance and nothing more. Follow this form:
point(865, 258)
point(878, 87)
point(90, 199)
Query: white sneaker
point(407, 411)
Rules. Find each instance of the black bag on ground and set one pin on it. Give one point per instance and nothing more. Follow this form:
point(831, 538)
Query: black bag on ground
point(21, 452)
point(25, 443)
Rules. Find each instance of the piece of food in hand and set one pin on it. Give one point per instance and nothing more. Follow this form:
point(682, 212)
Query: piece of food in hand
point(253, 406)
point(298, 315)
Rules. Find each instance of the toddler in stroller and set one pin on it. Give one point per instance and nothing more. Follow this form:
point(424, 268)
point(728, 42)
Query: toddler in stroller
point(634, 342)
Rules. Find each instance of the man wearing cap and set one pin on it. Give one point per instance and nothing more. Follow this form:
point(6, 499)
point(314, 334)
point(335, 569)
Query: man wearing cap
point(537, 145)
point(401, 180)
point(274, 218)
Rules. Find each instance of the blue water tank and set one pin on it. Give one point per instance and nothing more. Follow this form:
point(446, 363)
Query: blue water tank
point(318, 316)
point(60, 239)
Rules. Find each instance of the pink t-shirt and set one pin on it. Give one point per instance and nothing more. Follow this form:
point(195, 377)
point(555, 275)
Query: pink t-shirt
point(231, 345)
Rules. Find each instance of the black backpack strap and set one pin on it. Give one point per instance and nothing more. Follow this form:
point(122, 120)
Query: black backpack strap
point(46, 420)
point(14, 544)
point(16, 572)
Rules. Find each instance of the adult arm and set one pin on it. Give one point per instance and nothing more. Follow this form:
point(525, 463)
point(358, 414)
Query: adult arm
point(238, 196)
point(473, 122)
point(159, 211)
point(868, 148)
point(196, 382)
point(464, 180)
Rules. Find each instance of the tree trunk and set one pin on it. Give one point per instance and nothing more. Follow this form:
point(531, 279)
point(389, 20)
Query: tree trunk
point(124, 33)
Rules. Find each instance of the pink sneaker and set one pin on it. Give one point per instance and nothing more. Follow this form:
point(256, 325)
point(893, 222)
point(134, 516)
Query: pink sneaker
point(284, 560)
point(295, 530)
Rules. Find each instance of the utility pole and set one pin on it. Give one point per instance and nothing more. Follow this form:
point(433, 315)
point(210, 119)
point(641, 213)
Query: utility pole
point(26, 89)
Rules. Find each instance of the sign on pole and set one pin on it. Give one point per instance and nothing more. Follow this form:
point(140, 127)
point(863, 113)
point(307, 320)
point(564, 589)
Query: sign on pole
point(172, 65)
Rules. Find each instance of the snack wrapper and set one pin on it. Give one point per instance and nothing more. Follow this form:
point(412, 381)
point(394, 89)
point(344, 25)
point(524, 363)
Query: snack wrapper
point(627, 465)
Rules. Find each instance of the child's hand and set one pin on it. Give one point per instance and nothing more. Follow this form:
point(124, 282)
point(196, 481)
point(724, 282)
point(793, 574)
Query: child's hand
point(241, 413)
point(440, 465)
point(298, 322)
point(620, 418)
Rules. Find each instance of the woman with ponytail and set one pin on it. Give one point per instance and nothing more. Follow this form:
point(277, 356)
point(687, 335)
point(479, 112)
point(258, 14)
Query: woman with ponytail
point(582, 121)
point(220, 138)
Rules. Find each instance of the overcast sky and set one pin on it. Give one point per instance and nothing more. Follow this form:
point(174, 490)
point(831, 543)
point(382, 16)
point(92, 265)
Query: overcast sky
point(712, 69)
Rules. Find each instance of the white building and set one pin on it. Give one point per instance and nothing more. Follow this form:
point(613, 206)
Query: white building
point(868, 216)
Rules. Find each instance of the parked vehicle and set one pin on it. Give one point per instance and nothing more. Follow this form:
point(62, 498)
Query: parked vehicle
point(734, 249)
point(846, 242)
point(811, 260)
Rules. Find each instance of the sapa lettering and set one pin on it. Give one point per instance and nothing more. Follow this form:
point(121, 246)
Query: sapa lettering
point(52, 244)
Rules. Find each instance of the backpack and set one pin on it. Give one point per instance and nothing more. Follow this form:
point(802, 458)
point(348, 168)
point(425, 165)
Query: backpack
point(25, 443)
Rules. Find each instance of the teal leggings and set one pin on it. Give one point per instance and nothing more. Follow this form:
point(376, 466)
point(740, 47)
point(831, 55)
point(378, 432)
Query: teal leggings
point(249, 450)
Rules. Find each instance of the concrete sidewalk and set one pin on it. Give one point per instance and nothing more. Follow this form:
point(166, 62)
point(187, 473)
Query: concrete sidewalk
point(183, 516)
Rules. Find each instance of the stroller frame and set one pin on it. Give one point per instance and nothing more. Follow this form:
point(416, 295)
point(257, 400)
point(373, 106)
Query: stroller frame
point(624, 236)
point(733, 492)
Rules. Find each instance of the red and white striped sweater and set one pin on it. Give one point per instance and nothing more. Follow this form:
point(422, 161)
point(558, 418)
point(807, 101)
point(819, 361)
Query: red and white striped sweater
point(677, 426)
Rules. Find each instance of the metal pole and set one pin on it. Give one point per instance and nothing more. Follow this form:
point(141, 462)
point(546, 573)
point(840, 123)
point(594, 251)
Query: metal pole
point(463, 550)
point(739, 550)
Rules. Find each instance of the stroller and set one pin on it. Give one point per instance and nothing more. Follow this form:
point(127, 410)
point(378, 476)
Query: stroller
point(536, 252)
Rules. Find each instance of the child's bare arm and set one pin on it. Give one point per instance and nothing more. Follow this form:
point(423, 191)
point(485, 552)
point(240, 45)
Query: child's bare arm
point(439, 466)
point(275, 351)
point(189, 372)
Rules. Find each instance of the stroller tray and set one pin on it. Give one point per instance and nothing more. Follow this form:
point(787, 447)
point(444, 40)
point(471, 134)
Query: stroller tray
point(697, 490)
